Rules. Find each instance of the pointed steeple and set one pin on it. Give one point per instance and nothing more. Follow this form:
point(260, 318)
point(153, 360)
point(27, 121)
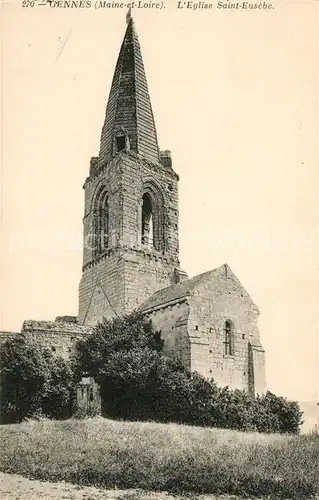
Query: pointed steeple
point(129, 121)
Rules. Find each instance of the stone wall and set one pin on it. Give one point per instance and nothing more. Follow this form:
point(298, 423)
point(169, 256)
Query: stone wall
point(211, 304)
point(172, 321)
point(145, 273)
point(193, 328)
point(60, 337)
point(256, 357)
point(128, 272)
point(101, 290)
point(139, 175)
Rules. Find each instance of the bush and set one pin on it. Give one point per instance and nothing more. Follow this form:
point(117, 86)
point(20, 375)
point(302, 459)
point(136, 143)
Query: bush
point(284, 415)
point(138, 382)
point(34, 383)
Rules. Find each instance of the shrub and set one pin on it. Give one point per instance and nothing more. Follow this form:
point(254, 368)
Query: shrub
point(33, 382)
point(109, 337)
point(138, 382)
point(284, 415)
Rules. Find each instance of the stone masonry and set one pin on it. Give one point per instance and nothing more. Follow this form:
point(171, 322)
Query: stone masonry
point(59, 336)
point(131, 250)
point(129, 167)
point(191, 317)
point(121, 278)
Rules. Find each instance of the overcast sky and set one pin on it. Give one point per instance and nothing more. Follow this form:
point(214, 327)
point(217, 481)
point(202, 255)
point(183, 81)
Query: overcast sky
point(234, 99)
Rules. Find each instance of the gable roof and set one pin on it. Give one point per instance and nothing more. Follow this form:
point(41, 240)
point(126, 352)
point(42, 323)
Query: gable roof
point(181, 290)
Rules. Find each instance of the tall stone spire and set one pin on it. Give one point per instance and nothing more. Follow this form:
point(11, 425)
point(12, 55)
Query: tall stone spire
point(129, 121)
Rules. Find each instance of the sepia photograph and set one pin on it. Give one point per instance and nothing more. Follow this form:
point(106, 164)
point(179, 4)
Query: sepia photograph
point(159, 250)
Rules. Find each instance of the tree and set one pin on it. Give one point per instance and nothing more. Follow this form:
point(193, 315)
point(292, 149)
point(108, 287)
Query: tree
point(58, 400)
point(109, 337)
point(138, 382)
point(33, 382)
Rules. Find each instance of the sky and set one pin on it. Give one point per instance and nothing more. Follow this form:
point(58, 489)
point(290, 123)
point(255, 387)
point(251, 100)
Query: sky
point(234, 98)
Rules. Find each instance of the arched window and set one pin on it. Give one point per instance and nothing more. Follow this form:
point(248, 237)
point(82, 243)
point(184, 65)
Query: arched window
point(229, 338)
point(101, 222)
point(147, 221)
point(153, 217)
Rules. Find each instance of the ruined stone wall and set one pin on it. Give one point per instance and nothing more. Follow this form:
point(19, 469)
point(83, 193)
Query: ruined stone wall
point(192, 328)
point(55, 335)
point(60, 337)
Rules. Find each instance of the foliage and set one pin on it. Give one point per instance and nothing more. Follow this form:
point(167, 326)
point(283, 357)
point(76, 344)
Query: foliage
point(287, 413)
point(119, 335)
point(138, 382)
point(33, 382)
point(167, 457)
point(266, 413)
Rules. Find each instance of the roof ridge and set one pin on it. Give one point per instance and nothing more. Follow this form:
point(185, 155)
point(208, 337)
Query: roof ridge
point(182, 288)
point(177, 291)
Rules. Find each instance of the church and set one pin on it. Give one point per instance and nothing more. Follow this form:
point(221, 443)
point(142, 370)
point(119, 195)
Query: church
point(131, 250)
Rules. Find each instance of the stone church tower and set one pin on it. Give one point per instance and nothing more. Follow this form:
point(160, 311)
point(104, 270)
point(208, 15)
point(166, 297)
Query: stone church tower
point(130, 257)
point(131, 201)
point(130, 251)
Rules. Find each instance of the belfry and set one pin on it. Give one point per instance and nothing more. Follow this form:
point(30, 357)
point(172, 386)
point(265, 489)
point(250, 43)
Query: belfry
point(131, 253)
point(131, 200)
point(131, 250)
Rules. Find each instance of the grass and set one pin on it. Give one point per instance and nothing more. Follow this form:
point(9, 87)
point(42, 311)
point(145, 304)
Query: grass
point(14, 487)
point(150, 456)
